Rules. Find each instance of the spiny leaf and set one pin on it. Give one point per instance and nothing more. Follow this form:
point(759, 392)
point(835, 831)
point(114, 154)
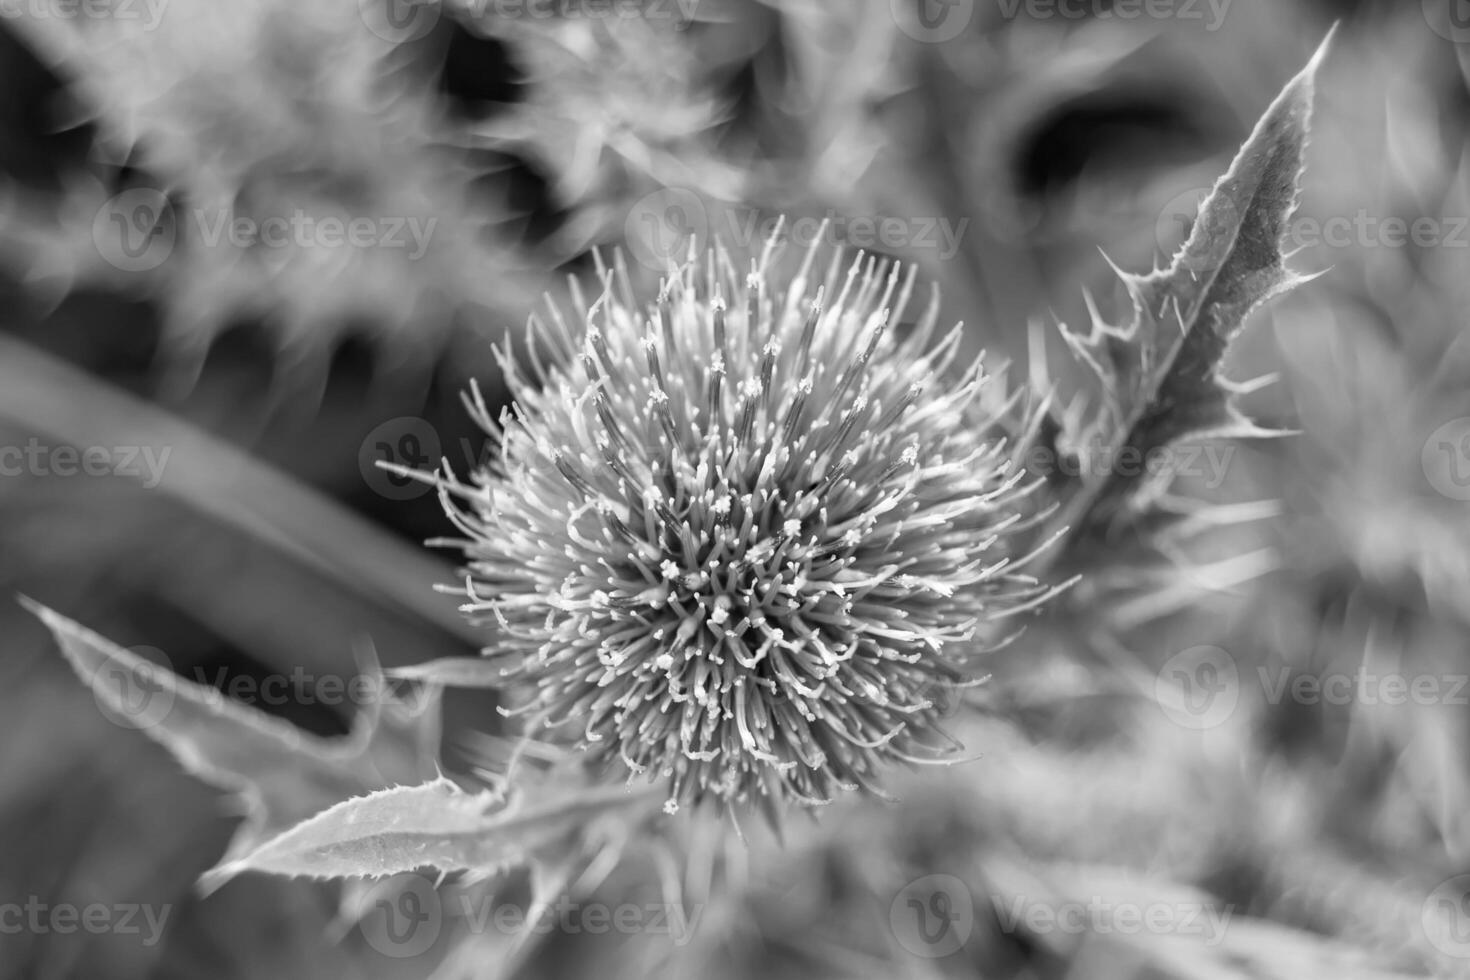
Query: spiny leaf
point(382, 833)
point(1161, 372)
point(614, 109)
point(186, 99)
point(283, 774)
point(436, 825)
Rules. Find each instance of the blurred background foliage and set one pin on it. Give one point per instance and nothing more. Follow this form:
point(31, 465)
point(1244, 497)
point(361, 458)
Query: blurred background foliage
point(1061, 144)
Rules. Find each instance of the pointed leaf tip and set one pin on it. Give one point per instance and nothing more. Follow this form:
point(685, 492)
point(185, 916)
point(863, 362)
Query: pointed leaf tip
point(282, 774)
point(1160, 370)
point(436, 825)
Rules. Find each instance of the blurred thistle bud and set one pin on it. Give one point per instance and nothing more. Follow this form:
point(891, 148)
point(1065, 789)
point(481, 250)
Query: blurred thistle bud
point(736, 538)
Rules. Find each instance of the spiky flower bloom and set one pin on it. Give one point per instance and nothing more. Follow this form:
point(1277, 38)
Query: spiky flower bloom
point(740, 538)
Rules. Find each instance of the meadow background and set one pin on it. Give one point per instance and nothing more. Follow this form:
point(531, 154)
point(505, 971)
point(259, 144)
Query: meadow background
point(200, 362)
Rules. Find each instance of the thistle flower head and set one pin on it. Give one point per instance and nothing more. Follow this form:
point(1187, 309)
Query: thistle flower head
point(739, 538)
